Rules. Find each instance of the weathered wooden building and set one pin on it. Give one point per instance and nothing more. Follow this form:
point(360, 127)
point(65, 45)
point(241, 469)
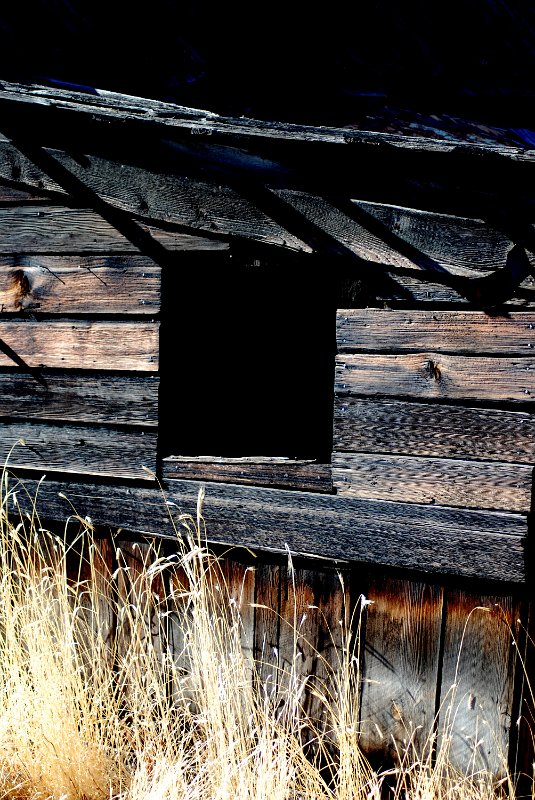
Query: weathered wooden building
point(329, 329)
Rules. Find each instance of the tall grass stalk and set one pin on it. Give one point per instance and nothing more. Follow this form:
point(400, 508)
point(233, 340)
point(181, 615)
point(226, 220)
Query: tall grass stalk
point(125, 677)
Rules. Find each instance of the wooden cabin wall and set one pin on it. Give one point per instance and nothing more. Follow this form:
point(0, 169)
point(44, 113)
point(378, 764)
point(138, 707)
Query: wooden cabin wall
point(79, 339)
point(431, 417)
point(435, 658)
point(432, 406)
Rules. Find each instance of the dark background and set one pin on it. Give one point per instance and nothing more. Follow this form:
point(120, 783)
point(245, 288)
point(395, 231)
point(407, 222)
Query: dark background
point(329, 64)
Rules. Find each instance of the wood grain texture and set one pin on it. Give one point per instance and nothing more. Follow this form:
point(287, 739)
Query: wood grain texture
point(79, 285)
point(404, 237)
point(277, 472)
point(399, 288)
point(432, 539)
point(52, 229)
point(91, 565)
point(80, 345)
point(141, 617)
point(268, 587)
point(440, 431)
point(238, 597)
point(477, 680)
point(436, 376)
point(74, 397)
point(179, 200)
point(442, 331)
point(314, 606)
point(445, 481)
point(401, 667)
point(80, 450)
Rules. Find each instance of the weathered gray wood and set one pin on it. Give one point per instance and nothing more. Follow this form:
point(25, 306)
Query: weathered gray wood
point(171, 198)
point(404, 237)
point(81, 345)
point(80, 450)
point(313, 608)
point(445, 481)
point(397, 288)
point(267, 600)
point(429, 538)
point(106, 105)
point(79, 285)
point(420, 429)
point(237, 598)
point(443, 331)
point(140, 591)
point(278, 472)
point(72, 397)
point(50, 229)
point(477, 681)
point(401, 665)
point(436, 376)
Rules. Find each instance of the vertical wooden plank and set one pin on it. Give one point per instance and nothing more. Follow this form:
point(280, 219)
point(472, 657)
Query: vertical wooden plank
point(240, 586)
point(401, 666)
point(267, 626)
point(141, 601)
point(90, 564)
point(522, 743)
point(478, 680)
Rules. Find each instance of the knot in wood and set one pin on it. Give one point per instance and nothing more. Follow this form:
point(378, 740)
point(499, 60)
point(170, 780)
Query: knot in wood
point(433, 370)
point(20, 288)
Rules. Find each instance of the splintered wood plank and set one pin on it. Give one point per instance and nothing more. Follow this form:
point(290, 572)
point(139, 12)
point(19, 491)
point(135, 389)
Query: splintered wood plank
point(436, 376)
point(81, 450)
point(393, 236)
point(49, 229)
point(80, 345)
point(477, 681)
point(401, 667)
point(283, 472)
point(79, 284)
point(435, 539)
point(106, 106)
point(445, 481)
point(73, 397)
point(371, 329)
point(418, 429)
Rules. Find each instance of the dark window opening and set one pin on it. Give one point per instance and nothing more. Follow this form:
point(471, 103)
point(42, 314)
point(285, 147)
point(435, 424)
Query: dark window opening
point(247, 357)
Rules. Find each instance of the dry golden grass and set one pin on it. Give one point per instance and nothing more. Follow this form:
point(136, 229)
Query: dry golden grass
point(95, 703)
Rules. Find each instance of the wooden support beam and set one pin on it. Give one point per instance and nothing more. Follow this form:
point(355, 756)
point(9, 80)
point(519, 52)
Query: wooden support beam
point(432, 539)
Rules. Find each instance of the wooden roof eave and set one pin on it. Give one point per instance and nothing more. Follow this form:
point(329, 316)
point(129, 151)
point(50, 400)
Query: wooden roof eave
point(290, 186)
